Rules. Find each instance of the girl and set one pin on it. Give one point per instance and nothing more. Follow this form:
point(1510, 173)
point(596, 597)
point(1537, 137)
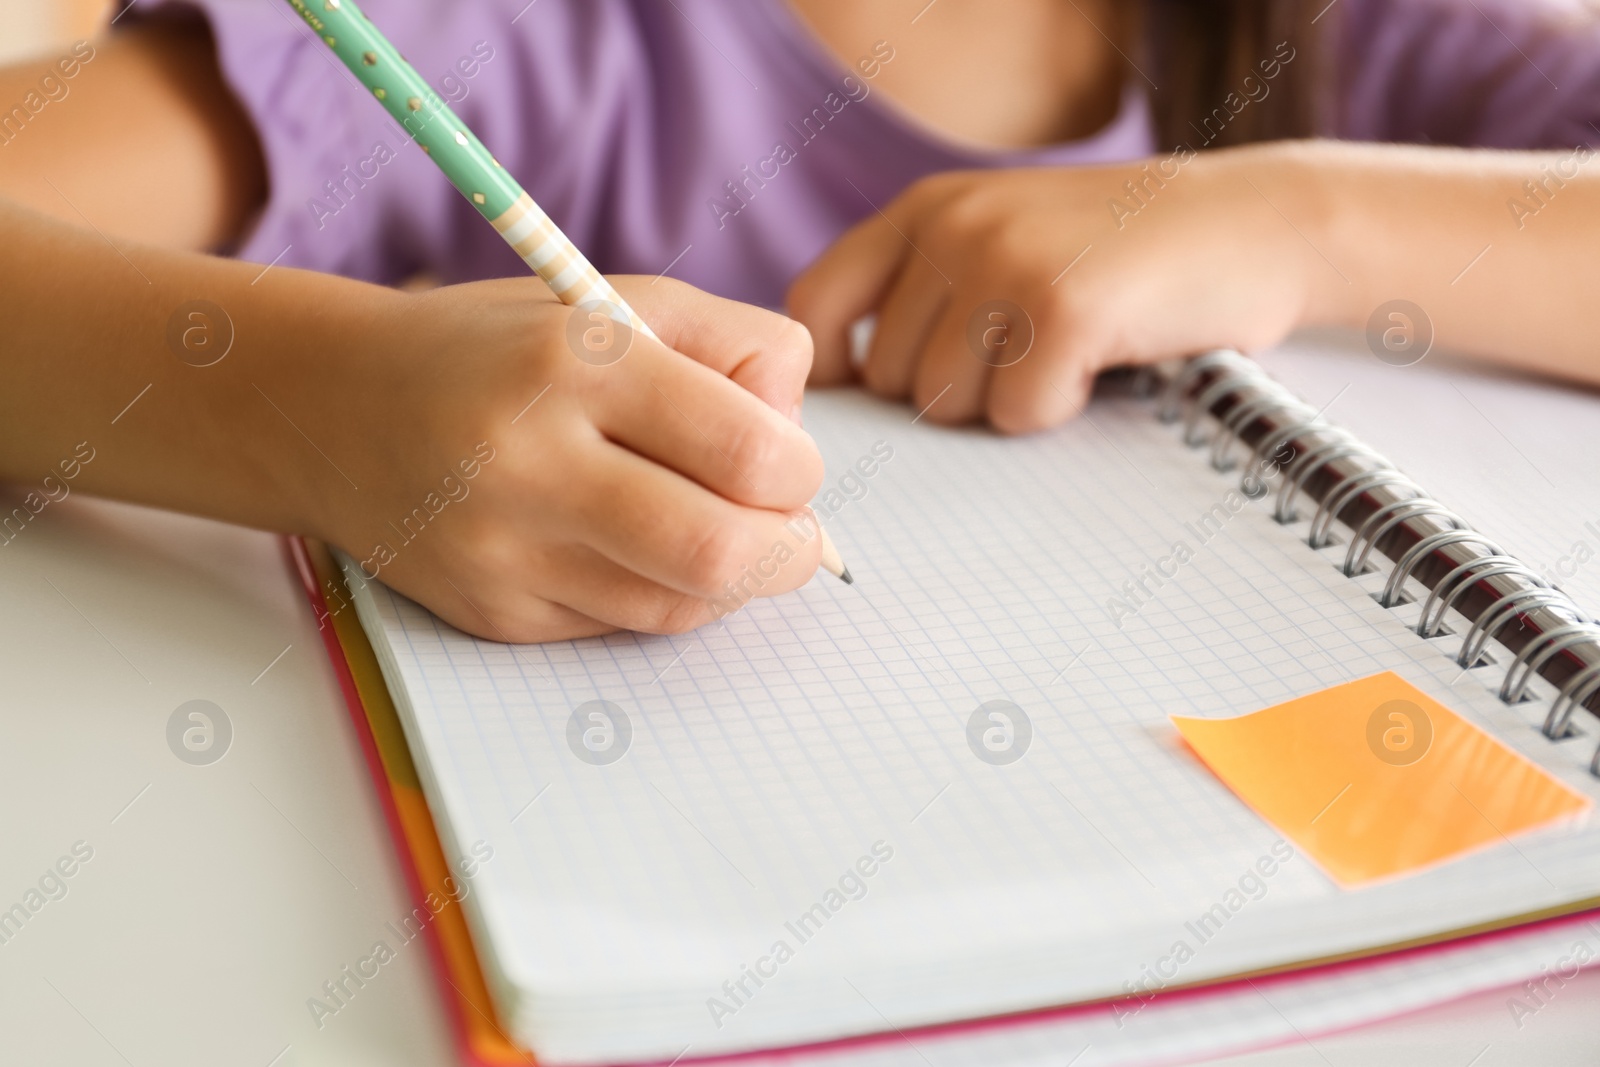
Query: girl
point(1131, 181)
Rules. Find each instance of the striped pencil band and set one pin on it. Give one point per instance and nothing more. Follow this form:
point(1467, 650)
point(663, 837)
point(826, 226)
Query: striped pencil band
point(497, 196)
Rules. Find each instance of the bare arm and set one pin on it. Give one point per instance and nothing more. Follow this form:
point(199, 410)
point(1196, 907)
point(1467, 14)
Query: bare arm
point(138, 145)
point(101, 346)
point(1497, 248)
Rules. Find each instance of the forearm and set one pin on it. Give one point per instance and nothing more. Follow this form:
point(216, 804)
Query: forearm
point(107, 347)
point(1500, 271)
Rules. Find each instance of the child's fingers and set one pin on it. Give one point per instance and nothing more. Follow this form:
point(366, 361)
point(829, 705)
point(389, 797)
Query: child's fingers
point(670, 530)
point(853, 276)
point(766, 353)
point(688, 417)
point(845, 283)
point(587, 582)
point(950, 382)
point(1051, 385)
point(905, 318)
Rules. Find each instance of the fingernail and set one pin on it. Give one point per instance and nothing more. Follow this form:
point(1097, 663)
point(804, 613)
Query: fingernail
point(794, 416)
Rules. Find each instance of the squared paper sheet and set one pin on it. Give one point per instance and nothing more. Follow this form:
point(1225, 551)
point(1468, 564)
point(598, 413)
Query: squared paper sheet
point(770, 754)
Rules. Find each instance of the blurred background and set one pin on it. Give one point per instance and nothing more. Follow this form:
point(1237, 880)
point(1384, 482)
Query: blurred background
point(28, 27)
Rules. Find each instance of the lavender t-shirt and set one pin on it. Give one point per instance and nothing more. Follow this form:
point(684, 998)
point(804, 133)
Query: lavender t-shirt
point(719, 142)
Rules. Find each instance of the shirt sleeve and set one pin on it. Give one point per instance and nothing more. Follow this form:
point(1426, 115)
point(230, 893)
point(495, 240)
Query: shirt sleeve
point(1476, 73)
point(350, 193)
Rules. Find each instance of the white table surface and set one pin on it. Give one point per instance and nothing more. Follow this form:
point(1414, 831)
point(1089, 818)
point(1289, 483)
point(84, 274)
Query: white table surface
point(220, 897)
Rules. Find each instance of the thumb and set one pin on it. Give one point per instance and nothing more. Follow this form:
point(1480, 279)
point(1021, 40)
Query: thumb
point(767, 353)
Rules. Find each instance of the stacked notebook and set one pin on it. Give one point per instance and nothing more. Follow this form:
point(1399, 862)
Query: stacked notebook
point(952, 791)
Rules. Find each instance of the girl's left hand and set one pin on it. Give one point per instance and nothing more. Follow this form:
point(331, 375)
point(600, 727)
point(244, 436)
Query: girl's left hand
point(1001, 294)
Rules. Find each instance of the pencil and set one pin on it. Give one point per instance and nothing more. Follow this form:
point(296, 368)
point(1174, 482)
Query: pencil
point(478, 176)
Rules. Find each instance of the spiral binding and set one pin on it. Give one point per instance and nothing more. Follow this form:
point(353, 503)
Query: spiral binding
point(1237, 420)
point(1342, 447)
point(1456, 582)
point(1238, 393)
point(1331, 508)
point(1412, 556)
point(1497, 615)
point(1216, 392)
point(1532, 657)
point(1387, 518)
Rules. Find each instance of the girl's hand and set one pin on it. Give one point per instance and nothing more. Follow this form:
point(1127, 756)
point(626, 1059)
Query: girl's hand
point(964, 268)
point(525, 487)
point(489, 452)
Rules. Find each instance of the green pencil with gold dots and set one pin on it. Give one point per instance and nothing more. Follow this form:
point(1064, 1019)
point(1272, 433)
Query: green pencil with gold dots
point(476, 174)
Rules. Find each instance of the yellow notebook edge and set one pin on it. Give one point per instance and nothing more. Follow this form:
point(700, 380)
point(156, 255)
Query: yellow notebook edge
point(483, 1041)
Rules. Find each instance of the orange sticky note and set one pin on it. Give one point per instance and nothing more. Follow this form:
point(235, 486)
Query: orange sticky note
point(1374, 778)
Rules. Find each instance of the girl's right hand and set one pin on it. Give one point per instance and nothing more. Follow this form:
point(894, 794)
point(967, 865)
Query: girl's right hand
point(479, 448)
point(496, 465)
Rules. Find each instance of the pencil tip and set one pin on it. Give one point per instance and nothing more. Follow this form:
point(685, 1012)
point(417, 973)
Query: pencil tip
point(844, 576)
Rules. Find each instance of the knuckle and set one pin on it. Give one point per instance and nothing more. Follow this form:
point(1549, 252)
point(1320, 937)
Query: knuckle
point(1073, 316)
point(967, 212)
point(756, 452)
point(1013, 244)
point(793, 339)
point(483, 539)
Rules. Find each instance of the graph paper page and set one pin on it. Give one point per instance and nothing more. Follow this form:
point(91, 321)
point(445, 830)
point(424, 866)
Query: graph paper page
point(827, 732)
point(1512, 454)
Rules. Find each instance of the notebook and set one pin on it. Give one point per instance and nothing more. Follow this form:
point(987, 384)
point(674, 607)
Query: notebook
point(1179, 1025)
point(797, 825)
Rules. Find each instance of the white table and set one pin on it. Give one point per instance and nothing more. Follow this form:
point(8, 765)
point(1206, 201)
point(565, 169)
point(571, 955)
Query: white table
point(220, 897)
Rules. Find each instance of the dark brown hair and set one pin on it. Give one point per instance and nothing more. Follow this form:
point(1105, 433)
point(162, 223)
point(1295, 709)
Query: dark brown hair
point(1210, 61)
